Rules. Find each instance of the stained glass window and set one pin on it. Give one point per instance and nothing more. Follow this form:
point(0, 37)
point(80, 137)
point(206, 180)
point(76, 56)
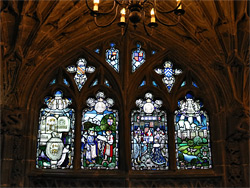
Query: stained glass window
point(183, 83)
point(169, 73)
point(66, 82)
point(55, 142)
point(143, 83)
point(106, 82)
point(95, 82)
point(138, 58)
point(112, 57)
point(194, 84)
point(149, 138)
point(99, 141)
point(52, 82)
point(192, 135)
point(81, 69)
point(154, 83)
point(97, 50)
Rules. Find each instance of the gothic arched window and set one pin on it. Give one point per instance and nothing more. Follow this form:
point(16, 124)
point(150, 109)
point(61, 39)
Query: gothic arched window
point(192, 135)
point(55, 147)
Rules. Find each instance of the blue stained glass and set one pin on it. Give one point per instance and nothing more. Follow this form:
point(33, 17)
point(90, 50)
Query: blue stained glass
point(95, 82)
point(112, 57)
point(168, 73)
point(138, 58)
point(97, 50)
point(52, 82)
point(106, 82)
point(154, 84)
point(194, 84)
point(183, 83)
point(149, 140)
point(143, 83)
point(192, 135)
point(66, 82)
point(55, 148)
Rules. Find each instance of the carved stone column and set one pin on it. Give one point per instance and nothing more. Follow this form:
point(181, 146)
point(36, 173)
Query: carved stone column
point(12, 147)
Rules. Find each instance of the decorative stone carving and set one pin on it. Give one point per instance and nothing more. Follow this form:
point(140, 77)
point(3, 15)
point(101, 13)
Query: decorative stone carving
point(12, 121)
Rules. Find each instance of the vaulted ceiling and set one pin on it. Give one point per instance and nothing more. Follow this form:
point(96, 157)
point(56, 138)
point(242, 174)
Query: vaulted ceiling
point(212, 38)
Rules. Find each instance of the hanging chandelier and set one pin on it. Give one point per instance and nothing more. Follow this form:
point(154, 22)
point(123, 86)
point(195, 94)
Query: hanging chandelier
point(136, 11)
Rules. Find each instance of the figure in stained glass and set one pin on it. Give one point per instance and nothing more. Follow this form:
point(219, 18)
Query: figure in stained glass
point(138, 58)
point(55, 148)
point(112, 57)
point(192, 135)
point(149, 142)
point(99, 148)
point(80, 70)
point(169, 73)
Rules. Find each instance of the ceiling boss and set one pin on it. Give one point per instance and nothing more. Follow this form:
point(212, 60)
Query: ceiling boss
point(149, 12)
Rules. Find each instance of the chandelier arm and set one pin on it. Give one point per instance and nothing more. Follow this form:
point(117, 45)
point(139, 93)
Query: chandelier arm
point(101, 13)
point(124, 29)
point(108, 24)
point(163, 23)
point(167, 12)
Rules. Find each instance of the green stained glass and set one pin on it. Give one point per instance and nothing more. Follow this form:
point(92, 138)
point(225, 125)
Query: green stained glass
point(192, 135)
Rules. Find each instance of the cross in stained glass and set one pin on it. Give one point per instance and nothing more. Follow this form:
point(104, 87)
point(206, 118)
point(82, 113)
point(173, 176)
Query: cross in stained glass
point(112, 57)
point(81, 70)
point(169, 73)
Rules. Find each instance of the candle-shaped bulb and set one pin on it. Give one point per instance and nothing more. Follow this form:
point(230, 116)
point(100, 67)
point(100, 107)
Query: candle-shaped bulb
point(123, 12)
point(178, 2)
point(96, 2)
point(152, 12)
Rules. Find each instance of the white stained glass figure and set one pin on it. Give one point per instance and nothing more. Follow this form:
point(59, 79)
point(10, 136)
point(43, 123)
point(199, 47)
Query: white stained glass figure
point(138, 58)
point(99, 142)
point(55, 148)
point(112, 57)
point(149, 142)
point(80, 70)
point(169, 73)
point(192, 135)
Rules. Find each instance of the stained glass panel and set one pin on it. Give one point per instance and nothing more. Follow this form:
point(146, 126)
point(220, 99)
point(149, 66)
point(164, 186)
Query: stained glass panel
point(138, 58)
point(52, 82)
point(97, 50)
point(149, 138)
point(81, 69)
point(154, 83)
point(95, 82)
point(106, 82)
point(168, 73)
point(143, 83)
point(183, 83)
point(194, 84)
point(99, 141)
point(192, 136)
point(55, 142)
point(66, 82)
point(112, 57)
